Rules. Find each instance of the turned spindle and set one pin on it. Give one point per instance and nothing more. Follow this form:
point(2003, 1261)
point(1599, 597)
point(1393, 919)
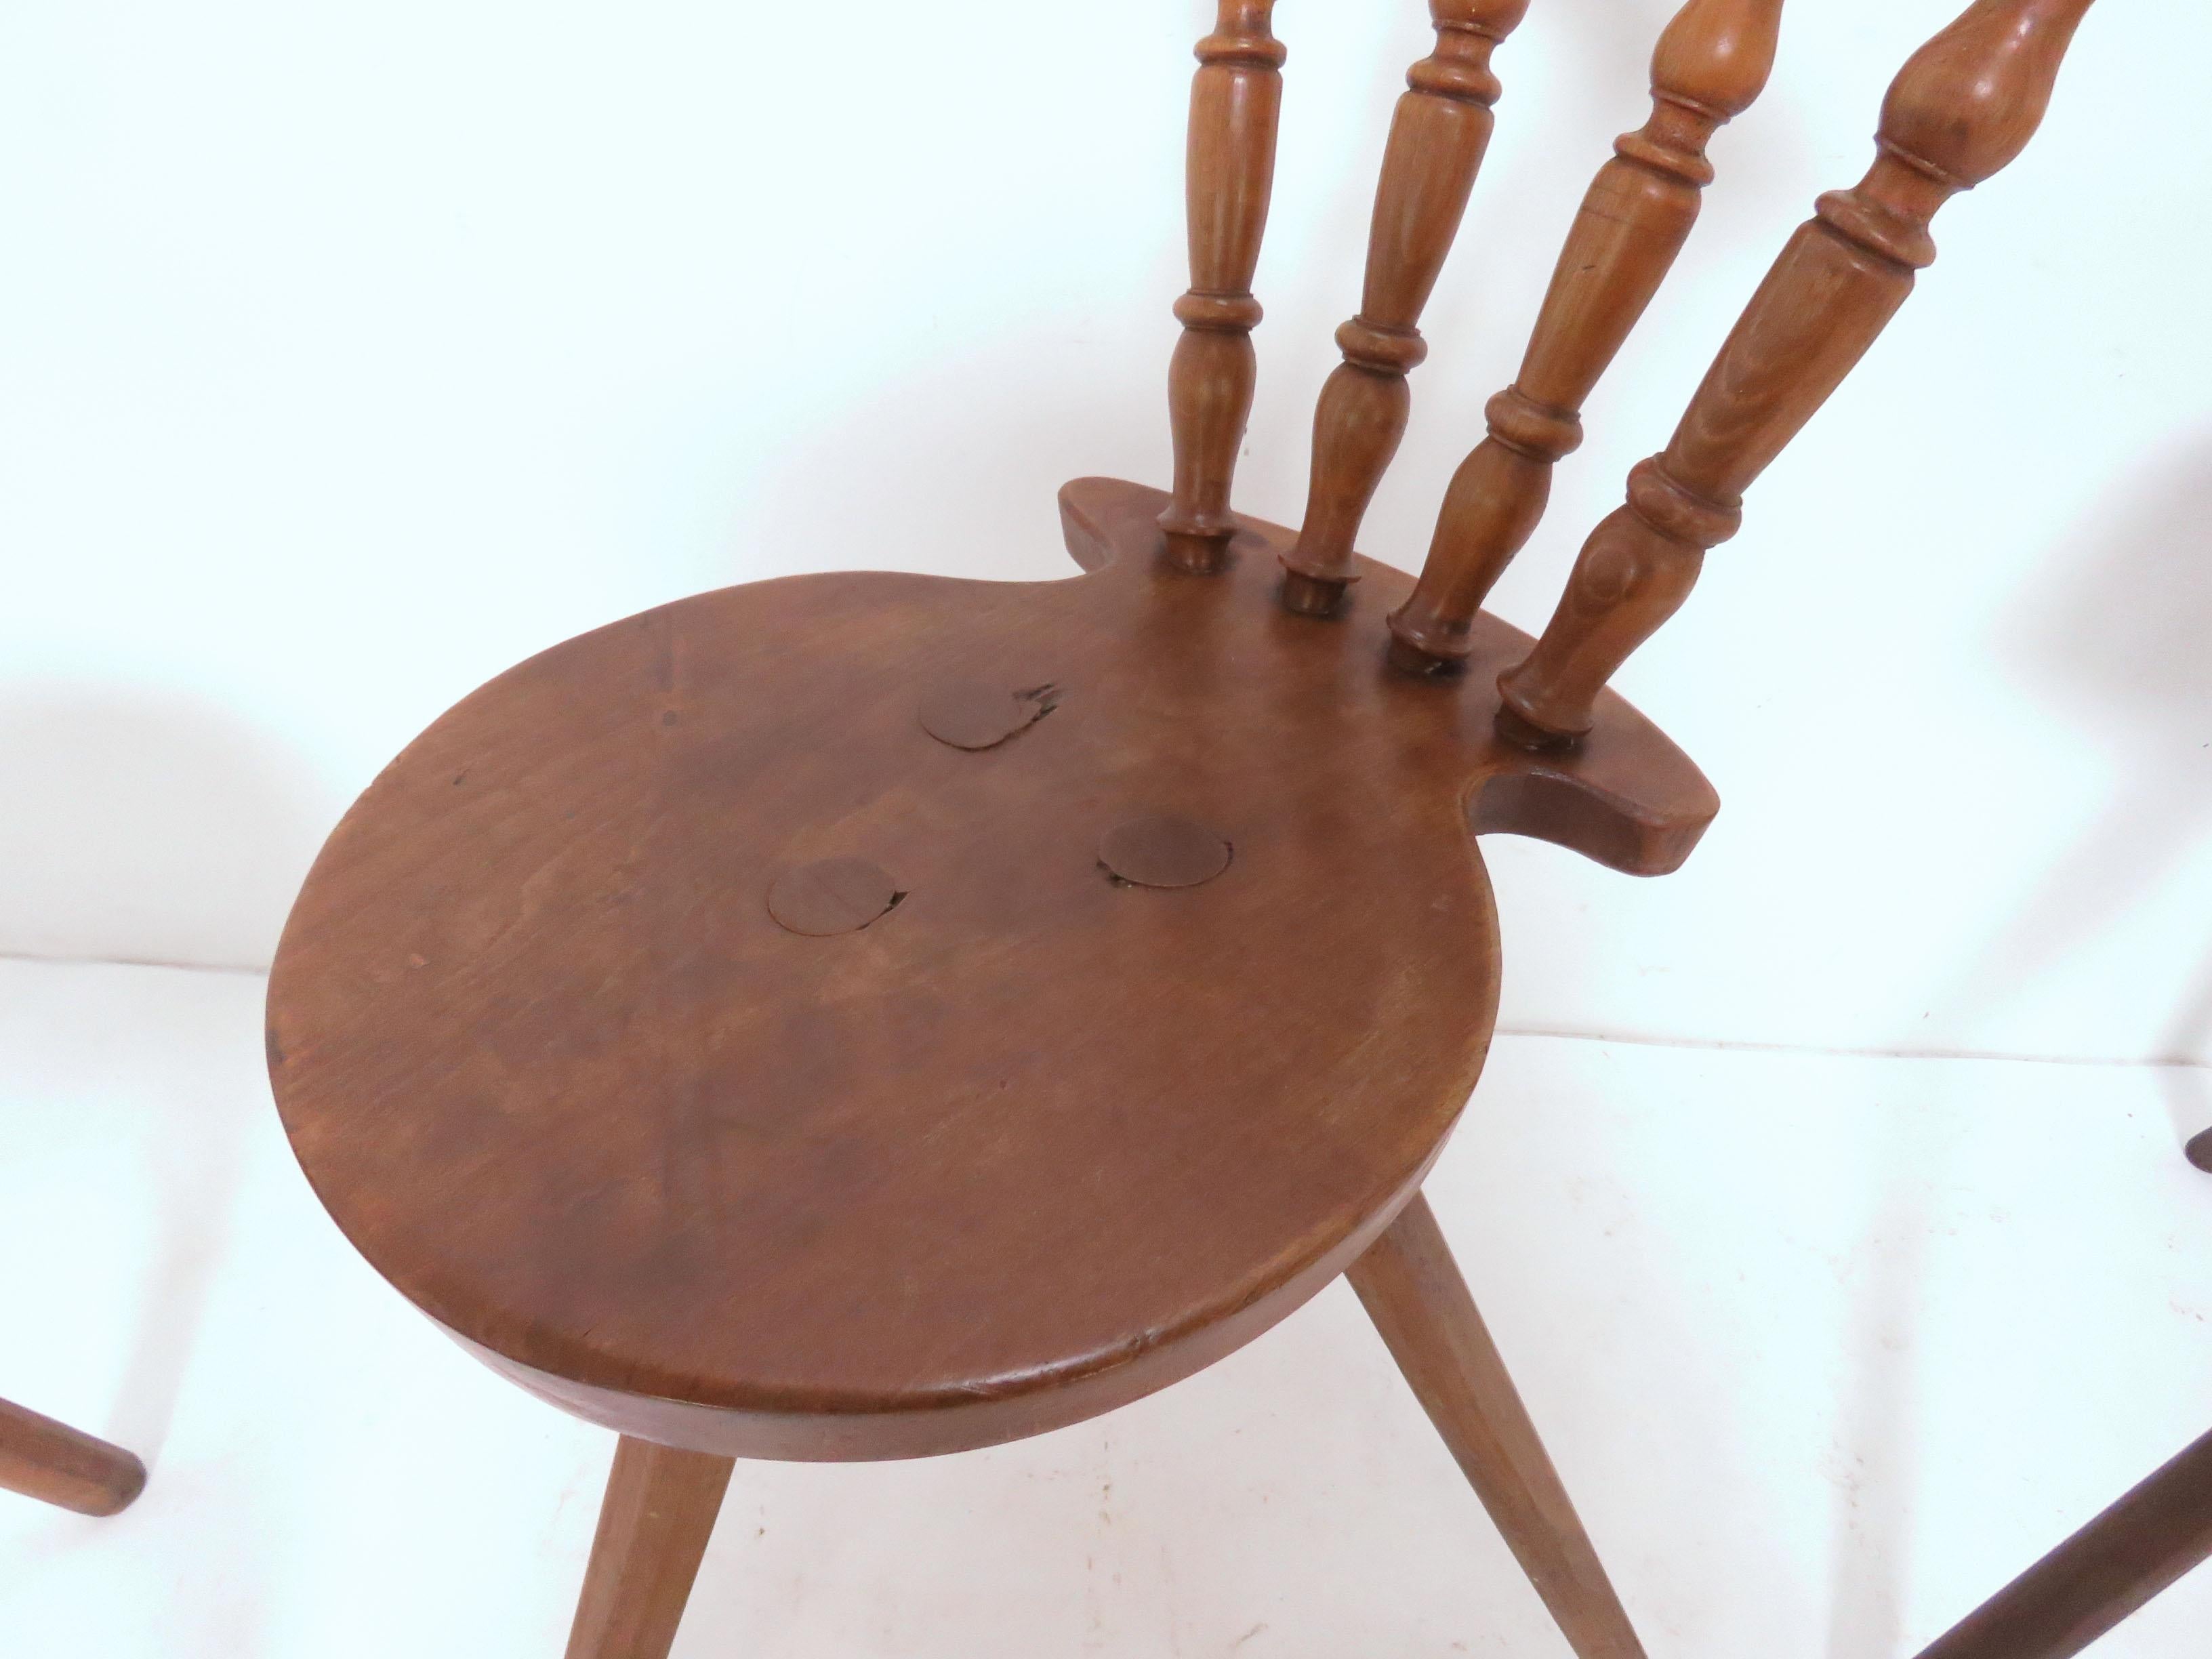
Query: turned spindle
point(1230, 173)
point(1964, 106)
point(1438, 137)
point(1712, 61)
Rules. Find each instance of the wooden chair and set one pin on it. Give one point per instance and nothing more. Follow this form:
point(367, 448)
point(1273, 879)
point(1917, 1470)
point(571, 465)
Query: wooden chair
point(869, 1016)
point(58, 1464)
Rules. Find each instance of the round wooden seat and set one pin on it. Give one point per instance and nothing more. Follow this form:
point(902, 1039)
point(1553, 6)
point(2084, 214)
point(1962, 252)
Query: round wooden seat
point(1007, 1141)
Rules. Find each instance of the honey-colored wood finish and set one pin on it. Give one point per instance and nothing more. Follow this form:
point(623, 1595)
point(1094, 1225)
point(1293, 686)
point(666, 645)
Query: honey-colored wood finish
point(654, 1523)
point(1712, 61)
point(1234, 103)
point(58, 1464)
point(1036, 1141)
point(1438, 137)
point(2112, 1568)
point(1962, 108)
point(1016, 1151)
point(1411, 1288)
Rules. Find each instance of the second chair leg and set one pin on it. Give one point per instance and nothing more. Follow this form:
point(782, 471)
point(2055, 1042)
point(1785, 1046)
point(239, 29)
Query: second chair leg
point(2114, 1565)
point(1413, 1290)
point(654, 1523)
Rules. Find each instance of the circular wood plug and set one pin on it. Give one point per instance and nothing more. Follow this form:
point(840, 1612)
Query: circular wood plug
point(973, 715)
point(1162, 850)
point(831, 895)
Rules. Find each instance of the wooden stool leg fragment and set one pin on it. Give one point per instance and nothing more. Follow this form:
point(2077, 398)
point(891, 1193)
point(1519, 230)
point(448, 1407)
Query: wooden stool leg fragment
point(57, 1464)
point(659, 1512)
point(2200, 1151)
point(2106, 1572)
point(1413, 1290)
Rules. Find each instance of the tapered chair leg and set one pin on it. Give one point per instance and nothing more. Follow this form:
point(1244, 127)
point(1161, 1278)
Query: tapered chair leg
point(654, 1526)
point(2129, 1554)
point(58, 1464)
point(1413, 1290)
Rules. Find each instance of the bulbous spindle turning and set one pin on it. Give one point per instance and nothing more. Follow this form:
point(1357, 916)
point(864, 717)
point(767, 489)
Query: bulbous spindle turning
point(1965, 106)
point(1230, 172)
point(1437, 137)
point(1710, 62)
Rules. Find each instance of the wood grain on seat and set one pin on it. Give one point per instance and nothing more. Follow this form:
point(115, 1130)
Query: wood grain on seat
point(1031, 1142)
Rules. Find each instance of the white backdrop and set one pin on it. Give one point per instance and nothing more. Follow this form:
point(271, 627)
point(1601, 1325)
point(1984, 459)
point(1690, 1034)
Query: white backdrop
point(349, 354)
